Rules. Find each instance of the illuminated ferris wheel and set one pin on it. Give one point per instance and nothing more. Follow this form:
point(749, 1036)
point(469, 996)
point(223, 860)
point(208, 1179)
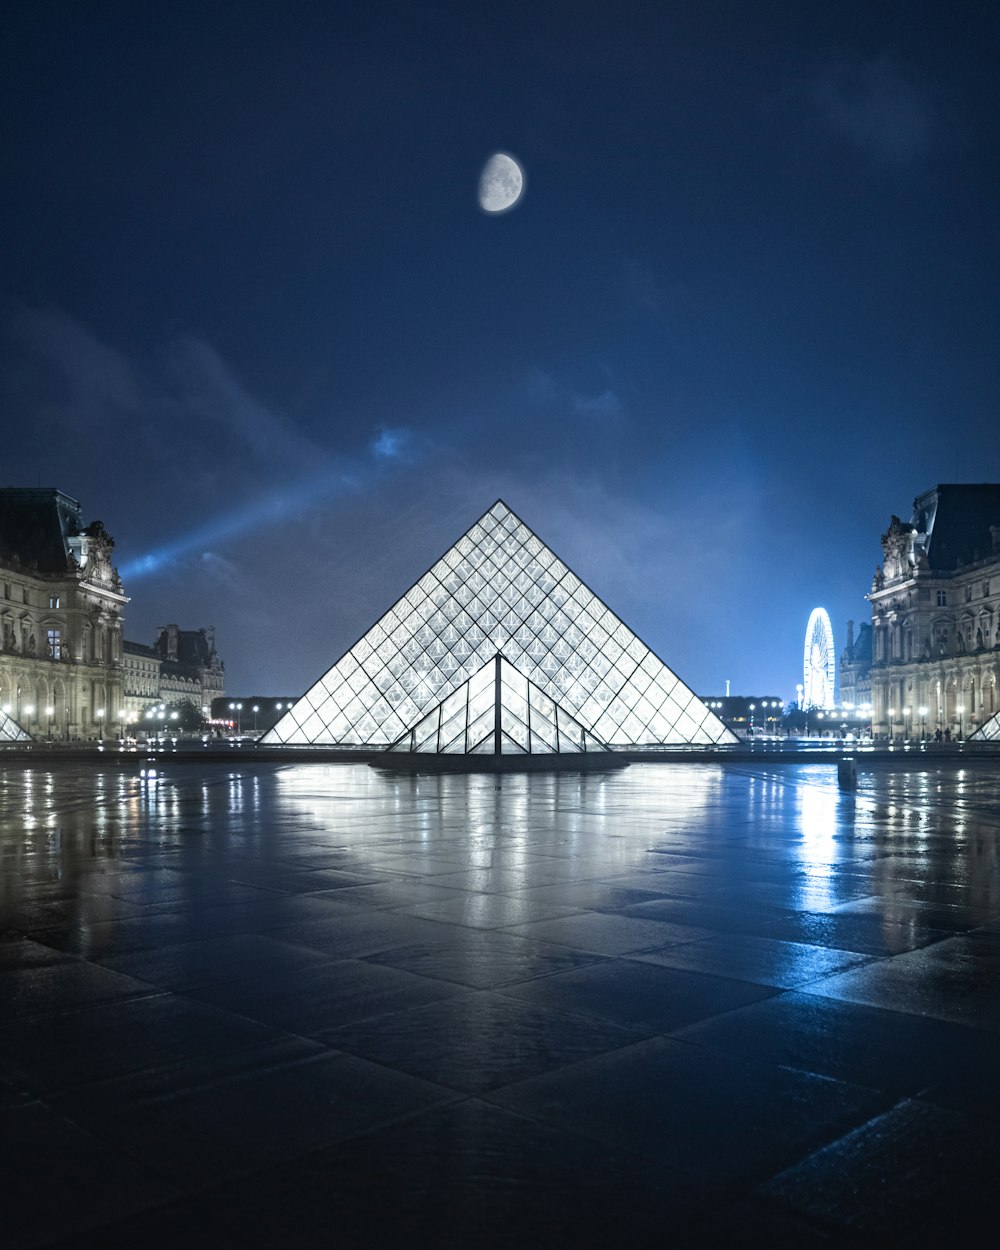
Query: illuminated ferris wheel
point(818, 669)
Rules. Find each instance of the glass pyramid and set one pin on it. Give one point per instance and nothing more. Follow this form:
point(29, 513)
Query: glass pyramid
point(499, 591)
point(989, 731)
point(498, 711)
point(11, 731)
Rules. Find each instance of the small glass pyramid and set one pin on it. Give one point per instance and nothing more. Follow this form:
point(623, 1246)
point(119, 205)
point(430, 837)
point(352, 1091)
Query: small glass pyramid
point(499, 591)
point(11, 731)
point(498, 711)
point(988, 731)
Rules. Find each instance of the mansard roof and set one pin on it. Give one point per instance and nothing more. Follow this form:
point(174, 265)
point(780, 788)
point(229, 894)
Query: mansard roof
point(956, 518)
point(35, 523)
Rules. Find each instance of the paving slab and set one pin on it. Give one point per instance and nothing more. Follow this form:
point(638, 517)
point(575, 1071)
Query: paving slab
point(261, 1004)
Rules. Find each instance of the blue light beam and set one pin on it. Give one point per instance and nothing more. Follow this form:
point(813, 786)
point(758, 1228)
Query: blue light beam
point(277, 506)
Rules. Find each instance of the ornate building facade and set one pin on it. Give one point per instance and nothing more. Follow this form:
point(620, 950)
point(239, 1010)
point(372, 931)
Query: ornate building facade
point(936, 615)
point(856, 668)
point(182, 666)
point(61, 604)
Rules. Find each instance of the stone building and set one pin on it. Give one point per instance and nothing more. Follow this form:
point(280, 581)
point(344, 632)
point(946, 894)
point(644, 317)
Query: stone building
point(856, 668)
point(182, 666)
point(190, 668)
point(936, 615)
point(141, 675)
point(61, 604)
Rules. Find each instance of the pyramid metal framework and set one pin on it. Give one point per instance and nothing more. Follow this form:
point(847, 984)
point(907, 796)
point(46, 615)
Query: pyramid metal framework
point(11, 731)
point(989, 731)
point(498, 711)
point(499, 591)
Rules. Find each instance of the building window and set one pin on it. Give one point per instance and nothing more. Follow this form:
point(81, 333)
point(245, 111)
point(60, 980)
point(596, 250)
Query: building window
point(53, 601)
point(986, 589)
point(968, 593)
point(55, 644)
point(942, 598)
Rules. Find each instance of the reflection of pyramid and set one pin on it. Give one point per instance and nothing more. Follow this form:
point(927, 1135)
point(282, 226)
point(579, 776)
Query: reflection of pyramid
point(498, 711)
point(499, 590)
point(11, 731)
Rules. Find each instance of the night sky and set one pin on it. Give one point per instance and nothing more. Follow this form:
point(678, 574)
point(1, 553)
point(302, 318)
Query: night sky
point(253, 318)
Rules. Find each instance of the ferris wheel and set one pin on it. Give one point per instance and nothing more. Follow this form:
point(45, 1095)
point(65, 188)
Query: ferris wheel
point(818, 668)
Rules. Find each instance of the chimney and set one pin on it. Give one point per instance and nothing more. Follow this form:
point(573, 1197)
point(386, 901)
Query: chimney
point(166, 644)
point(850, 635)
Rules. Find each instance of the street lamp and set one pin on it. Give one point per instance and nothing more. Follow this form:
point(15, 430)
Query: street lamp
point(100, 722)
point(961, 712)
point(256, 709)
point(892, 713)
point(906, 717)
point(48, 713)
point(923, 717)
point(239, 710)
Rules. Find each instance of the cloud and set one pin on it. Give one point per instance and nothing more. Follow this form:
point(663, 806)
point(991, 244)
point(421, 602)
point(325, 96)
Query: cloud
point(643, 288)
point(220, 572)
point(543, 391)
point(602, 406)
point(80, 391)
point(200, 385)
point(69, 376)
point(872, 105)
point(392, 444)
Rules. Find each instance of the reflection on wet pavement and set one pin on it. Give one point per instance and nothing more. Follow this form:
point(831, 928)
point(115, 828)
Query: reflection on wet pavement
point(272, 1005)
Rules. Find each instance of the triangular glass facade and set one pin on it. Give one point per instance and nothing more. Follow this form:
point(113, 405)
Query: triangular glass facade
point(11, 731)
point(988, 732)
point(499, 590)
point(498, 711)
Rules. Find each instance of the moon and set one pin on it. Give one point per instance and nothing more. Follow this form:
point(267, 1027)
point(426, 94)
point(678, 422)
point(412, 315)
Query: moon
point(501, 183)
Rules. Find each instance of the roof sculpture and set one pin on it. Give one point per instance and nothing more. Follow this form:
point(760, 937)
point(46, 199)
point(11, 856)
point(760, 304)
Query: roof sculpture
point(499, 591)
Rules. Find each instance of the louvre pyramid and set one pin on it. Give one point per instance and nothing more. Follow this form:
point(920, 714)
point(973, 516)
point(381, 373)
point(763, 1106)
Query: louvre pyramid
point(989, 731)
point(11, 731)
point(499, 590)
point(498, 711)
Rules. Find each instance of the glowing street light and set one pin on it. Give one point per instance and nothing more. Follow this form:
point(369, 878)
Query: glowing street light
point(49, 712)
point(923, 717)
point(961, 712)
point(256, 709)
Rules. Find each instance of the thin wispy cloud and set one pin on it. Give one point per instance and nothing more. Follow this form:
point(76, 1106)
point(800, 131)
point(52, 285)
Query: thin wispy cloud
point(562, 398)
point(874, 106)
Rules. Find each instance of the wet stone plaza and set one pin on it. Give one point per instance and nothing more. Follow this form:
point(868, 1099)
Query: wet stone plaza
point(272, 1005)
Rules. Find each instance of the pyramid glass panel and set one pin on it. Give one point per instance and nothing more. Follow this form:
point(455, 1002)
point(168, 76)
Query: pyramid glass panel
point(499, 589)
point(11, 731)
point(989, 731)
point(499, 711)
